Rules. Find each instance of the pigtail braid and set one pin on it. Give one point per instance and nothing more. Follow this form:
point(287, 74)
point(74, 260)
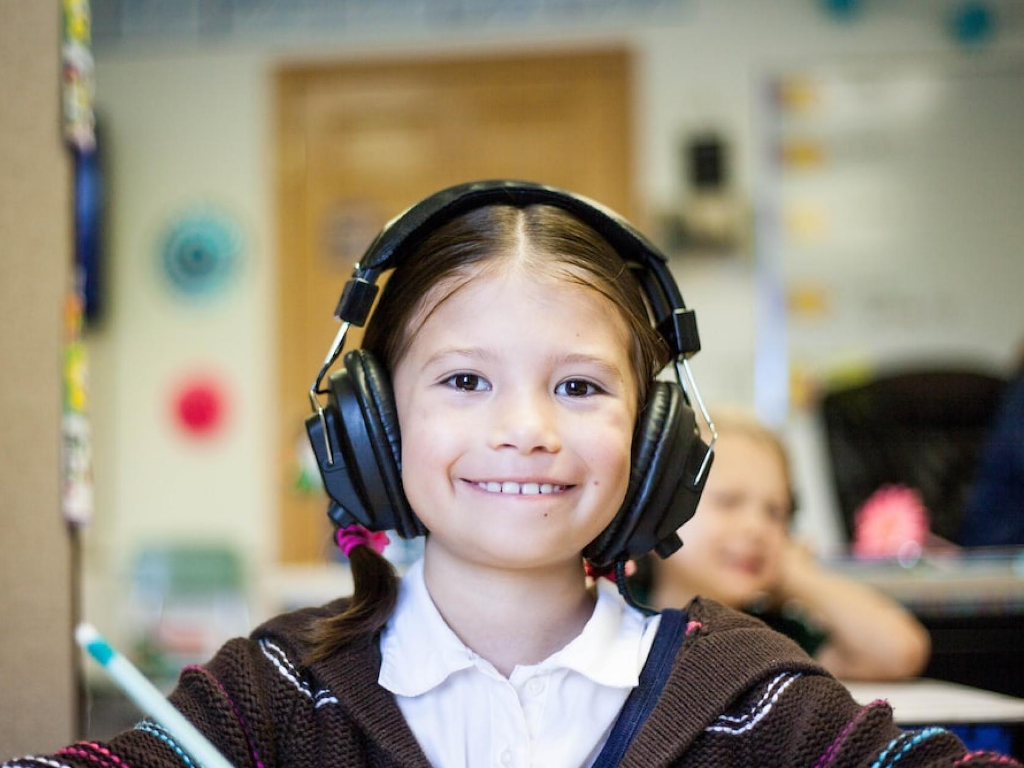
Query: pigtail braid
point(374, 596)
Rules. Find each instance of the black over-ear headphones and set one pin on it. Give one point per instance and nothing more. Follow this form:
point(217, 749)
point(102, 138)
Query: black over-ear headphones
point(356, 437)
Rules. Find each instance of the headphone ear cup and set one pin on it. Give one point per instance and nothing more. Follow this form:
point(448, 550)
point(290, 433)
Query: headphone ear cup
point(659, 497)
point(650, 425)
point(371, 419)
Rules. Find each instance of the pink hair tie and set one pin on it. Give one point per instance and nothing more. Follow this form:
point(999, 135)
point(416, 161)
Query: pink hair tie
point(609, 572)
point(353, 536)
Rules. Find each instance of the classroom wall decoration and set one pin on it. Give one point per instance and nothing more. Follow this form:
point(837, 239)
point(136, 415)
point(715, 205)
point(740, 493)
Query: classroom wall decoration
point(76, 454)
point(78, 120)
point(199, 406)
point(89, 236)
point(307, 473)
point(200, 253)
point(842, 10)
point(78, 76)
point(972, 24)
point(349, 228)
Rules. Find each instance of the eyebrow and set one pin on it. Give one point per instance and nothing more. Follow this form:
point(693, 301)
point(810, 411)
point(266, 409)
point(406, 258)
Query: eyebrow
point(475, 353)
point(573, 358)
point(579, 358)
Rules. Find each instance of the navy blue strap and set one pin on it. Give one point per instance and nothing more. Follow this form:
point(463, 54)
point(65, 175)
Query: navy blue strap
point(671, 631)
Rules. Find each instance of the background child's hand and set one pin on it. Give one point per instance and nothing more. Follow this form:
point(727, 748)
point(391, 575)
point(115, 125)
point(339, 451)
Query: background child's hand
point(798, 567)
point(869, 635)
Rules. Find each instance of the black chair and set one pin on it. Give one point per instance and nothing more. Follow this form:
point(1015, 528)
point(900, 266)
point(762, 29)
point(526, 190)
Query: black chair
point(923, 429)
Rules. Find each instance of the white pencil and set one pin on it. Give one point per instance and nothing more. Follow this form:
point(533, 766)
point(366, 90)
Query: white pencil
point(148, 698)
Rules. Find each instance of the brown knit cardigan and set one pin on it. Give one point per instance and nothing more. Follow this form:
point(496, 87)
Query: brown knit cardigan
point(738, 695)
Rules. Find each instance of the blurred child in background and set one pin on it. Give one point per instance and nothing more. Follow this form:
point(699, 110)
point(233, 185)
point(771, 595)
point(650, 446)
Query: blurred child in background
point(737, 550)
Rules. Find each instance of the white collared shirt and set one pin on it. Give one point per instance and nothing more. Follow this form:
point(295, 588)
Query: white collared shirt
point(555, 714)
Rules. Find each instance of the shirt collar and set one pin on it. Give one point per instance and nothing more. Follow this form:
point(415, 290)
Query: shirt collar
point(419, 651)
point(611, 649)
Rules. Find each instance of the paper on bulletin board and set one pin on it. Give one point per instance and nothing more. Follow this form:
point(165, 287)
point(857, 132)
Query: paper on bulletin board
point(892, 194)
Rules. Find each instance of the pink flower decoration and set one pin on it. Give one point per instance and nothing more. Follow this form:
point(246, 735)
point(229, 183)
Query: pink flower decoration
point(892, 520)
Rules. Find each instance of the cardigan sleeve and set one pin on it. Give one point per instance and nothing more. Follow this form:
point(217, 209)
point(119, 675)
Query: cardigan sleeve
point(242, 700)
point(795, 719)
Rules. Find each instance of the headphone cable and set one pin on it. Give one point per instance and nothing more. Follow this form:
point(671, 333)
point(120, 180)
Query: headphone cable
point(622, 582)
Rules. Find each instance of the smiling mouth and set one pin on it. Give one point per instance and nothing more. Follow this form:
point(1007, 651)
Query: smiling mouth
point(512, 488)
point(749, 565)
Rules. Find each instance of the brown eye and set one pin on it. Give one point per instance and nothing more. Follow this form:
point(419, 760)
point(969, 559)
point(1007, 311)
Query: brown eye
point(728, 500)
point(467, 382)
point(577, 388)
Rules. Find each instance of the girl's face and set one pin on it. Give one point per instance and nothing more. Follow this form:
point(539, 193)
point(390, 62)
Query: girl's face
point(733, 546)
point(516, 401)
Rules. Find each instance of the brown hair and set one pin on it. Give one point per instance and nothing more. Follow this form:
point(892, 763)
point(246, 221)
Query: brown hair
point(736, 421)
point(538, 238)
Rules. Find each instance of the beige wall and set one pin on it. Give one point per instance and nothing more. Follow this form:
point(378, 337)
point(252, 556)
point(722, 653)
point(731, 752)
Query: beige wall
point(36, 680)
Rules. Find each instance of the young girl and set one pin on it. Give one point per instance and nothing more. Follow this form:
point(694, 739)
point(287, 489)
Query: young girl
point(525, 421)
point(737, 550)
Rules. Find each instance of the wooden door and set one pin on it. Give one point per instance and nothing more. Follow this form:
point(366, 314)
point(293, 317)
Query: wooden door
point(358, 143)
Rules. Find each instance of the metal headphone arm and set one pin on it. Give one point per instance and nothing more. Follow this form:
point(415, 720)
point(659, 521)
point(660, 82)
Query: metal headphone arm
point(353, 309)
point(683, 365)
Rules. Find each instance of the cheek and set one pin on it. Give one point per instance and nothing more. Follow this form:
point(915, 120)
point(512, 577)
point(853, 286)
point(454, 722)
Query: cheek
point(693, 557)
point(426, 472)
point(428, 447)
point(608, 450)
point(777, 548)
point(708, 525)
point(690, 562)
point(696, 541)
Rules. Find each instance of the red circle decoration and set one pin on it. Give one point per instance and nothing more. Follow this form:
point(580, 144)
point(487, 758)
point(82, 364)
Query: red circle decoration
point(199, 407)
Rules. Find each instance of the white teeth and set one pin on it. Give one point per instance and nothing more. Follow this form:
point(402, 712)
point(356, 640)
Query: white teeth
point(526, 489)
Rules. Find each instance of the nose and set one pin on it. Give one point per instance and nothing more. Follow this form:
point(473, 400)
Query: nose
point(753, 520)
point(525, 422)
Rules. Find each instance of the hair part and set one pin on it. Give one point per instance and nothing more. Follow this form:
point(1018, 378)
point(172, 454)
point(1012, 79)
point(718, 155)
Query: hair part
point(539, 239)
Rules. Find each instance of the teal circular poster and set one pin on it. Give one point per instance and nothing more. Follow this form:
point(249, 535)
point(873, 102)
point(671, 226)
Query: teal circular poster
point(200, 252)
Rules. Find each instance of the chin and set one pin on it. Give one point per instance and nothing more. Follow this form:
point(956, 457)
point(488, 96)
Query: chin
point(520, 552)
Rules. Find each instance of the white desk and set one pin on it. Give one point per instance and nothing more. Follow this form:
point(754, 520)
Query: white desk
point(936, 702)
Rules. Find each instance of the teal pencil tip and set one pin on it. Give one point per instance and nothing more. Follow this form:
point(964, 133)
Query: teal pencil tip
point(100, 651)
point(93, 642)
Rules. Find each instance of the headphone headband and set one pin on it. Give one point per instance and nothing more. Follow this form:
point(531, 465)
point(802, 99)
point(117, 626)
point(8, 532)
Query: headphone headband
point(403, 233)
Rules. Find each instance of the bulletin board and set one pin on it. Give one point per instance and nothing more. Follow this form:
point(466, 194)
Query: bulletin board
point(890, 228)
